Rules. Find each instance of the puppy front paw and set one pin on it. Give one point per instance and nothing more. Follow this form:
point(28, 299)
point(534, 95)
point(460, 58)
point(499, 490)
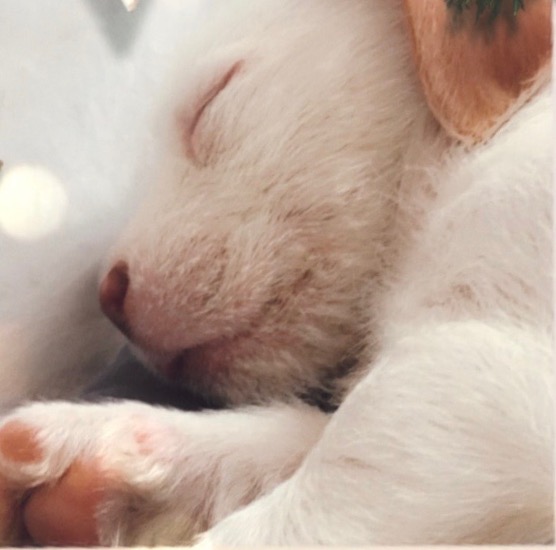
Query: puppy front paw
point(82, 475)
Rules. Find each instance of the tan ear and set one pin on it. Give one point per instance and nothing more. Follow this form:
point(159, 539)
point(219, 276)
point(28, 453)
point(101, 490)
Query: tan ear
point(476, 73)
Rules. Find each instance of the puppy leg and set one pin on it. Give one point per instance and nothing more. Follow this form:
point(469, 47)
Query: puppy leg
point(131, 474)
point(448, 440)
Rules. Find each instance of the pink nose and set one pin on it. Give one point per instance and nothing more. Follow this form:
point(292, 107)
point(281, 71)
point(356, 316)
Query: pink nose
point(112, 294)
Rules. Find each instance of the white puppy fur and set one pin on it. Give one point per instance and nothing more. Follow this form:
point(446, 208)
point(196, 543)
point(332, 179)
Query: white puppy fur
point(312, 229)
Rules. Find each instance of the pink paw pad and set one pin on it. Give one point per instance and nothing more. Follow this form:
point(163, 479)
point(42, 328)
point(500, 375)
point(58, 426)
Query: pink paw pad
point(64, 514)
point(152, 438)
point(18, 443)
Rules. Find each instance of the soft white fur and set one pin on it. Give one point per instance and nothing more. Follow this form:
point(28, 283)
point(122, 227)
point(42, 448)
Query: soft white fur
point(319, 214)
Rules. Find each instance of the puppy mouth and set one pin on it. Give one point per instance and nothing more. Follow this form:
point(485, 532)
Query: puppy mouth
point(206, 360)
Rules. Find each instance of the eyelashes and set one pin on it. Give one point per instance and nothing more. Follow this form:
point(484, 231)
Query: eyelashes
point(190, 121)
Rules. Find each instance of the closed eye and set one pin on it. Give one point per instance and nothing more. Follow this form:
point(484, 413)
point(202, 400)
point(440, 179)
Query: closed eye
point(189, 122)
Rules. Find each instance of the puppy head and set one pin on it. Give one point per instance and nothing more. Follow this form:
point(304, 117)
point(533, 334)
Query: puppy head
point(247, 274)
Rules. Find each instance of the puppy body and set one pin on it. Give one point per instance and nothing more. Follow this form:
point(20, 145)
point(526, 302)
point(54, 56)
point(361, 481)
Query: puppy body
point(312, 228)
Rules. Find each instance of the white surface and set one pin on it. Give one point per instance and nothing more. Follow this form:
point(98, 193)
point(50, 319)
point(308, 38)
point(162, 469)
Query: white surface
point(76, 85)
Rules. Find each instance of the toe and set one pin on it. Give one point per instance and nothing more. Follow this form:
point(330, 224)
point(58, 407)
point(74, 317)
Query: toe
point(18, 443)
point(19, 446)
point(65, 513)
point(5, 506)
point(10, 523)
point(5, 510)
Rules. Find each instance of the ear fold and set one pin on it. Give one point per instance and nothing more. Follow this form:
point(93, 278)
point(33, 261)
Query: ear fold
point(476, 73)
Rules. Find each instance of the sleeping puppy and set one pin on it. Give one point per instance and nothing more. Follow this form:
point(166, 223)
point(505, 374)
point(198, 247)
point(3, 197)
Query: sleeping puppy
point(348, 242)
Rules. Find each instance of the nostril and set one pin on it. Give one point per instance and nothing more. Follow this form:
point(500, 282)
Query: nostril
point(112, 294)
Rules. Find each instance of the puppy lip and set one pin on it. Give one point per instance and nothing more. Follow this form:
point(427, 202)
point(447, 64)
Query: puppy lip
point(171, 365)
point(210, 356)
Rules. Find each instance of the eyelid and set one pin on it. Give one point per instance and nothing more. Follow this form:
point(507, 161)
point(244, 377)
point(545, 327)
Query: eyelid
point(190, 121)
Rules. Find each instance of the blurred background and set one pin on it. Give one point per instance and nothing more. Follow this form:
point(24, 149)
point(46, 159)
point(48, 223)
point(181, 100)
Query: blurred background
point(77, 81)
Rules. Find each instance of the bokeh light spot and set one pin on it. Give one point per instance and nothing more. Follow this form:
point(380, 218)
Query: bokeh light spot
point(33, 202)
point(130, 5)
